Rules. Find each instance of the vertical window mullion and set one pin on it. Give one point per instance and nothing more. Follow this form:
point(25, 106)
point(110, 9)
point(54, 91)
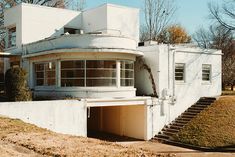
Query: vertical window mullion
point(118, 74)
point(85, 73)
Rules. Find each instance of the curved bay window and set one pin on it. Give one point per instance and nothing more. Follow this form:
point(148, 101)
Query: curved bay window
point(86, 73)
point(127, 73)
point(72, 73)
point(45, 74)
point(100, 73)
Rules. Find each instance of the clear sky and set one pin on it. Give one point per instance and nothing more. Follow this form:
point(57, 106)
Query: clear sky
point(191, 14)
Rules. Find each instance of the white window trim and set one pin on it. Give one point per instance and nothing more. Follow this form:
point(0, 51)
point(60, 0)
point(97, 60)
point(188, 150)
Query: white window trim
point(34, 74)
point(206, 82)
point(184, 74)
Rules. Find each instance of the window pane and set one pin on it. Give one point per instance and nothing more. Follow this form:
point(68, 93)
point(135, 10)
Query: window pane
point(40, 75)
point(12, 37)
point(72, 82)
point(127, 65)
point(72, 73)
point(45, 74)
point(101, 73)
point(127, 73)
point(39, 82)
point(100, 82)
point(50, 82)
point(206, 72)
point(101, 64)
point(72, 64)
point(179, 71)
point(127, 82)
point(39, 67)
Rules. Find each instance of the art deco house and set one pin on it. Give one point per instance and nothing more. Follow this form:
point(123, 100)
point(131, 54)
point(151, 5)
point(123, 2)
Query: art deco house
point(92, 55)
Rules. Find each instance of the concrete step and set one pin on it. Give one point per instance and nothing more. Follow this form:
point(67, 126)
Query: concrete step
point(168, 133)
point(162, 136)
point(195, 110)
point(170, 130)
point(187, 116)
point(199, 106)
point(178, 124)
point(208, 98)
point(182, 120)
point(177, 127)
point(203, 103)
point(190, 113)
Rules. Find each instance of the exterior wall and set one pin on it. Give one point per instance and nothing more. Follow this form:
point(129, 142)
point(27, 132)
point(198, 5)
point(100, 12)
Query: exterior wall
point(67, 117)
point(42, 22)
point(175, 97)
point(85, 41)
point(11, 20)
point(113, 20)
point(124, 19)
point(95, 20)
point(34, 22)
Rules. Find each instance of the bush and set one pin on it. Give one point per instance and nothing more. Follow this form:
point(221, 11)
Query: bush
point(16, 85)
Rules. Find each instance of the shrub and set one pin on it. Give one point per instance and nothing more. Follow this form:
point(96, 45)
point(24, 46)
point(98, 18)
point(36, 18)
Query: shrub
point(16, 85)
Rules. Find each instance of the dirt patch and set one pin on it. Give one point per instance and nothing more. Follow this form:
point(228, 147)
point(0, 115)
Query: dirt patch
point(18, 135)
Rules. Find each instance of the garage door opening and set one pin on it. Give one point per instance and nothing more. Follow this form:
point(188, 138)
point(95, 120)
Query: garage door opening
point(117, 123)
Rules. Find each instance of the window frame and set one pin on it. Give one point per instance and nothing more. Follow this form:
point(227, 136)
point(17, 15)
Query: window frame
point(127, 78)
point(9, 37)
point(72, 78)
point(184, 72)
point(44, 74)
point(210, 73)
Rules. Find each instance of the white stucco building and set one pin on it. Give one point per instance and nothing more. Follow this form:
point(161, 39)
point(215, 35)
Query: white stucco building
point(92, 55)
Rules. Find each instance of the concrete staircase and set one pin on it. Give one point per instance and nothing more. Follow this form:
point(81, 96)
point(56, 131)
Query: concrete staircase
point(173, 128)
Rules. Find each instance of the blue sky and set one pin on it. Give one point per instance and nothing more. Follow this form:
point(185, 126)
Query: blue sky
point(191, 14)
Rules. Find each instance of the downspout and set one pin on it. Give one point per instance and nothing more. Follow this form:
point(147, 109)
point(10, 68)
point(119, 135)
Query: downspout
point(173, 99)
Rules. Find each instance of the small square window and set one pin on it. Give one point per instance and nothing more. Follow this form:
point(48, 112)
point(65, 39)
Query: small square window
point(180, 72)
point(206, 72)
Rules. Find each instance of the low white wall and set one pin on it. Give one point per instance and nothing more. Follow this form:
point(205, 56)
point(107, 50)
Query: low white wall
point(65, 116)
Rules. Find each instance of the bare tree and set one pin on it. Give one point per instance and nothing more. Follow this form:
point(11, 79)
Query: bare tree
point(220, 37)
point(158, 14)
point(202, 38)
point(78, 5)
point(224, 14)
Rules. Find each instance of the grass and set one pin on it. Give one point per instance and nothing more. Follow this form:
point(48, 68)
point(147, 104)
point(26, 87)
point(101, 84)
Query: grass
point(213, 127)
point(14, 126)
point(228, 92)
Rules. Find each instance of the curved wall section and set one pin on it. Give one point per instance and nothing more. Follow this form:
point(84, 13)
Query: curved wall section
point(85, 41)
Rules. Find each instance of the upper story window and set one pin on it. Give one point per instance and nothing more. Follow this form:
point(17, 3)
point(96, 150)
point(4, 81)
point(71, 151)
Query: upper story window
point(73, 31)
point(180, 72)
point(206, 72)
point(11, 37)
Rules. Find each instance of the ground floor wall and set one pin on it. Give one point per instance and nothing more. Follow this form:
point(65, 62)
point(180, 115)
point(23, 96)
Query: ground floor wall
point(132, 118)
point(120, 120)
point(67, 117)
